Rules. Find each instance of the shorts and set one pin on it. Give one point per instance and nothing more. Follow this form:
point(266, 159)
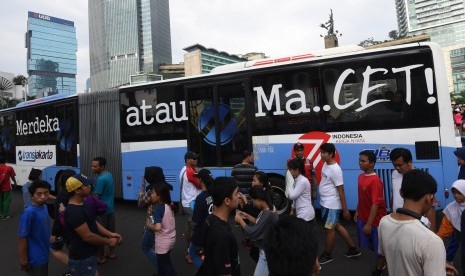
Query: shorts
point(367, 241)
point(330, 217)
point(107, 221)
point(86, 267)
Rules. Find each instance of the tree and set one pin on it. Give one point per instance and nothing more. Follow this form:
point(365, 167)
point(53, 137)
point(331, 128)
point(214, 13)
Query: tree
point(394, 34)
point(368, 42)
point(20, 80)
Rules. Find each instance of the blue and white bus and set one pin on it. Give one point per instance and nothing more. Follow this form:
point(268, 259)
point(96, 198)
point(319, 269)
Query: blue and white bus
point(355, 98)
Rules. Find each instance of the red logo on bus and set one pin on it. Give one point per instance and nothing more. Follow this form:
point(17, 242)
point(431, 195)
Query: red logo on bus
point(312, 142)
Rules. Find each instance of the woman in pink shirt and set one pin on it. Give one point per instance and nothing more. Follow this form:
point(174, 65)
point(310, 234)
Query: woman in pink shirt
point(164, 227)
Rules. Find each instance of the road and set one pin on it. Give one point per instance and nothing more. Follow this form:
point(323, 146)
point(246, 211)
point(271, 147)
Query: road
point(131, 260)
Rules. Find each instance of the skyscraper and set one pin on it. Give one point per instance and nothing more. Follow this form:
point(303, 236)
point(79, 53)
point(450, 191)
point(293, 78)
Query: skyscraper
point(443, 21)
point(51, 55)
point(127, 37)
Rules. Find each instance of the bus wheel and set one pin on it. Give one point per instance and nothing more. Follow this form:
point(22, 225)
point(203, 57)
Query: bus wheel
point(280, 201)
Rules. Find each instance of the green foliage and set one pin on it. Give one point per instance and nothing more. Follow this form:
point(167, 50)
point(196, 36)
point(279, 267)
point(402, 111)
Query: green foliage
point(394, 34)
point(6, 102)
point(20, 80)
point(368, 42)
point(458, 98)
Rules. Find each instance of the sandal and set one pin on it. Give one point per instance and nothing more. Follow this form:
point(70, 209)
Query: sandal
point(112, 257)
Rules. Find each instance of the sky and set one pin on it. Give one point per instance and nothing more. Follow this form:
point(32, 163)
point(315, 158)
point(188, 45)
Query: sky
point(275, 27)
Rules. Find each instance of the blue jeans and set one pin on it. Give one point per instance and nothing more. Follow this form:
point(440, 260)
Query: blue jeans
point(262, 268)
point(165, 267)
point(86, 267)
point(194, 254)
point(148, 247)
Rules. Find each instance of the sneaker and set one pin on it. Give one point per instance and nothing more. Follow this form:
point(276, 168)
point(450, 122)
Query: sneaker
point(325, 258)
point(6, 217)
point(352, 252)
point(188, 259)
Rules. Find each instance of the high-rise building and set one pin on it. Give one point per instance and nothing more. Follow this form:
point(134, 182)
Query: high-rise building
point(51, 55)
point(443, 21)
point(201, 60)
point(127, 38)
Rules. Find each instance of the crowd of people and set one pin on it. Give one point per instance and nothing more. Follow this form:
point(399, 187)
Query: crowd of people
point(405, 241)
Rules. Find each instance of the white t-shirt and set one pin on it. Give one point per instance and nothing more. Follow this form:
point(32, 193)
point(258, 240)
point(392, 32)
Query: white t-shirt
point(302, 198)
point(410, 248)
point(397, 200)
point(189, 191)
point(331, 177)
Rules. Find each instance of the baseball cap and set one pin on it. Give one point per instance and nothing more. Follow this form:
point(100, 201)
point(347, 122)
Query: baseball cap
point(298, 146)
point(190, 155)
point(203, 173)
point(77, 181)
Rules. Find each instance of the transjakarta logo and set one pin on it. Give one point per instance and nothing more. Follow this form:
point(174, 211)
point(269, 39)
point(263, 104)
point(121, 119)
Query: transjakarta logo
point(32, 156)
point(37, 126)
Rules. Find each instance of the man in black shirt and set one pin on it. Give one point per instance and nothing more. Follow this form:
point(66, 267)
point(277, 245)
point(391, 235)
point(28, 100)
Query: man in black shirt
point(243, 172)
point(83, 230)
point(221, 250)
point(203, 208)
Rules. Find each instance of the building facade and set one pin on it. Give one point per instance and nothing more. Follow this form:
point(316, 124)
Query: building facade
point(8, 89)
point(127, 38)
point(443, 21)
point(201, 60)
point(51, 55)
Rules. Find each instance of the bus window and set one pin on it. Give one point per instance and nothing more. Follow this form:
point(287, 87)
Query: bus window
point(234, 138)
point(373, 94)
point(290, 93)
point(202, 125)
point(7, 137)
point(153, 114)
point(67, 135)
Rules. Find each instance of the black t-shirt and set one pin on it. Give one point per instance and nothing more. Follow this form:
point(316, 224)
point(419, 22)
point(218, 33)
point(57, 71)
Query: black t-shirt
point(203, 208)
point(75, 216)
point(221, 250)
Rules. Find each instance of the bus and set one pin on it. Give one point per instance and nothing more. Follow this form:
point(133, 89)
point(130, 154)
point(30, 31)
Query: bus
point(358, 99)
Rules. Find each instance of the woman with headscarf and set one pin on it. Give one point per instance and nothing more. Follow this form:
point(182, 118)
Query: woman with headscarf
point(450, 225)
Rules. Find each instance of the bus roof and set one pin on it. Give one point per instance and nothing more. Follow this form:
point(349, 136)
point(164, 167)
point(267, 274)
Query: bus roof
point(44, 100)
point(316, 55)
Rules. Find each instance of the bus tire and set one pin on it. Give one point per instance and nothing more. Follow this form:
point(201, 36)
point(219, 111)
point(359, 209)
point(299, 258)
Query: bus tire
point(278, 190)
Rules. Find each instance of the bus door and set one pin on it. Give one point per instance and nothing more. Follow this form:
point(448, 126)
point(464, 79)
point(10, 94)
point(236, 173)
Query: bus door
point(218, 128)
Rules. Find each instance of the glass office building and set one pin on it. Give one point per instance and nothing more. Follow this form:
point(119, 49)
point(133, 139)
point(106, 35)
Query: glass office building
point(51, 55)
point(443, 21)
point(127, 37)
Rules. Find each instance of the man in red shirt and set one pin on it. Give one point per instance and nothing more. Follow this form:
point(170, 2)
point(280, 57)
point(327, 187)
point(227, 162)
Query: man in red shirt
point(308, 170)
point(371, 207)
point(6, 172)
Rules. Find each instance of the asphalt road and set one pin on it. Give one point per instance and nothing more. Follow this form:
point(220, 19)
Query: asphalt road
point(131, 260)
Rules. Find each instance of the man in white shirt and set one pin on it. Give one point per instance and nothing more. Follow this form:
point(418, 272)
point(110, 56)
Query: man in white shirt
point(333, 202)
point(190, 189)
point(409, 246)
point(401, 159)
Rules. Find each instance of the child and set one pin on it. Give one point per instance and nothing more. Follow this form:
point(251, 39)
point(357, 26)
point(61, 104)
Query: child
point(371, 207)
point(261, 198)
point(450, 225)
point(164, 227)
point(34, 232)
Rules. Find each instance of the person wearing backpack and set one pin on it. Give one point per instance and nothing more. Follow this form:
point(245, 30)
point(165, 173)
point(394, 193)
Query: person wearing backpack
point(6, 173)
